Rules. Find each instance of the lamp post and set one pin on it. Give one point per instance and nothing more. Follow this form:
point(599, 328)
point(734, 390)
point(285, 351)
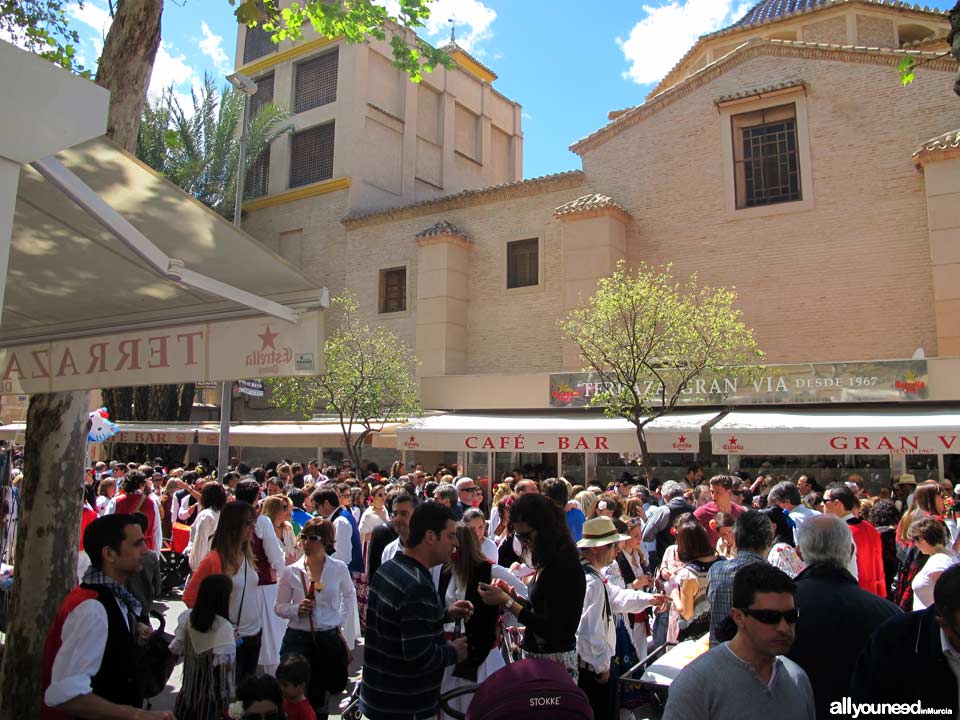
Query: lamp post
point(249, 88)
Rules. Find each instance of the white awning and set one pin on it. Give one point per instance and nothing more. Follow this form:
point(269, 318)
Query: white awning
point(837, 433)
point(677, 433)
point(266, 435)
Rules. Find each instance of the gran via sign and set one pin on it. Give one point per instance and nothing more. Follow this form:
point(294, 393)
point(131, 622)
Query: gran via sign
point(852, 382)
point(211, 351)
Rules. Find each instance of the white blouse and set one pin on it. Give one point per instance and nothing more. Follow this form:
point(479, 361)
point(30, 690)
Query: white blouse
point(456, 591)
point(201, 536)
point(336, 603)
point(923, 583)
point(370, 521)
point(245, 603)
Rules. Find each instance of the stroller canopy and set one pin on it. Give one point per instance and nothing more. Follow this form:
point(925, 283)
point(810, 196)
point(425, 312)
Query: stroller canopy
point(530, 688)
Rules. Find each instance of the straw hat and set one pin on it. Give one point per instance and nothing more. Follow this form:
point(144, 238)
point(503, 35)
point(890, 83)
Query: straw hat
point(906, 479)
point(599, 532)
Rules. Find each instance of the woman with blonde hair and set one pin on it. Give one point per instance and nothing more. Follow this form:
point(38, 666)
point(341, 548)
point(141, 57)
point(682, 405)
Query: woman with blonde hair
point(270, 549)
point(231, 555)
point(588, 503)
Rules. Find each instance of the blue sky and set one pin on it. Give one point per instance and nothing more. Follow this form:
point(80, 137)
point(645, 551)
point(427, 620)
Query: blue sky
point(566, 65)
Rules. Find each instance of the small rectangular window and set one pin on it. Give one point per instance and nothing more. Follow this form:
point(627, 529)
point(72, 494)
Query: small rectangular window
point(523, 263)
point(393, 290)
point(257, 43)
point(765, 156)
point(311, 155)
point(316, 82)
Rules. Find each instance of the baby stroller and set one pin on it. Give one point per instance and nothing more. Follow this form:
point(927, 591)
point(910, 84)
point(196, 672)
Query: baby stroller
point(530, 688)
point(174, 567)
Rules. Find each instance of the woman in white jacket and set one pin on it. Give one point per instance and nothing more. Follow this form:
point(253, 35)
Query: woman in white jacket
point(212, 499)
point(275, 513)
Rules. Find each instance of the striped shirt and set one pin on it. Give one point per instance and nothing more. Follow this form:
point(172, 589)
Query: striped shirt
point(405, 652)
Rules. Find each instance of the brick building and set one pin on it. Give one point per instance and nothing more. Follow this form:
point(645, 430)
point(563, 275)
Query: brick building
point(780, 155)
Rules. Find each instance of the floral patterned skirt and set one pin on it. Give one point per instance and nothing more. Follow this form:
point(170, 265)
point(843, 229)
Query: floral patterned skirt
point(568, 660)
point(362, 586)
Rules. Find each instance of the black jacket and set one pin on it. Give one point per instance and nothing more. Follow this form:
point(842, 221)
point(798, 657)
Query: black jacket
point(381, 536)
point(903, 662)
point(837, 617)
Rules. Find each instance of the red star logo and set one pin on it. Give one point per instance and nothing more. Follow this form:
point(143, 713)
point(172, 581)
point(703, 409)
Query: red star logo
point(682, 439)
point(412, 438)
point(733, 441)
point(268, 339)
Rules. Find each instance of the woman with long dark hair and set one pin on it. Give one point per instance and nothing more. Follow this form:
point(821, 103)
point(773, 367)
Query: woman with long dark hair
point(552, 612)
point(783, 555)
point(317, 597)
point(230, 554)
point(205, 640)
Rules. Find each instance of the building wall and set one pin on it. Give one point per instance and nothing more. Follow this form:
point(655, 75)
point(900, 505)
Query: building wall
point(849, 278)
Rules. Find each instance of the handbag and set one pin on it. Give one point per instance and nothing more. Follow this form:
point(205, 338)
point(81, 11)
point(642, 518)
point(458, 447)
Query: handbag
point(329, 646)
point(155, 662)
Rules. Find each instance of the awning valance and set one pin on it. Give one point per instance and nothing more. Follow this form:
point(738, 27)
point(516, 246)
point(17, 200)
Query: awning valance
point(837, 433)
point(266, 435)
point(678, 433)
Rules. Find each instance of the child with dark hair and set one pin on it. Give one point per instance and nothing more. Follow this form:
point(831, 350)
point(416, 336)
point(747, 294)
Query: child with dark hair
point(206, 641)
point(293, 675)
point(261, 698)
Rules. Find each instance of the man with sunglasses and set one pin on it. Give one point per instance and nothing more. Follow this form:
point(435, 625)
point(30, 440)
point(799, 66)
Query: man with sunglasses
point(749, 677)
point(469, 495)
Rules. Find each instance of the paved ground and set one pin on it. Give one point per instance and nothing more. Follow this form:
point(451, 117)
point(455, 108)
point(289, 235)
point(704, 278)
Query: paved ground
point(167, 699)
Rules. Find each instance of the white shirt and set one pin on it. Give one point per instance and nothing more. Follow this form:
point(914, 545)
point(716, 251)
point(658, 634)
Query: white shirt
point(102, 502)
point(370, 521)
point(394, 548)
point(272, 547)
point(490, 550)
point(343, 543)
point(456, 592)
point(596, 634)
point(923, 581)
point(249, 612)
point(83, 641)
point(798, 515)
point(952, 657)
point(201, 536)
point(336, 602)
point(852, 561)
point(186, 508)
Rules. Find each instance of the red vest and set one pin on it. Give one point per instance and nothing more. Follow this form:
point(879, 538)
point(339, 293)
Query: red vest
point(89, 515)
point(869, 557)
point(52, 646)
point(128, 504)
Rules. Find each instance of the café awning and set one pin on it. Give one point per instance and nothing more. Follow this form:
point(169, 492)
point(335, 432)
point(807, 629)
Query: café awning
point(677, 433)
point(277, 434)
point(921, 432)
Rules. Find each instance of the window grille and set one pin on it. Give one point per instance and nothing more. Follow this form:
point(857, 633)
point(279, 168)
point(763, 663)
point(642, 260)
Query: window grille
point(316, 82)
point(256, 44)
point(311, 155)
point(393, 290)
point(523, 266)
point(258, 176)
point(262, 96)
point(766, 160)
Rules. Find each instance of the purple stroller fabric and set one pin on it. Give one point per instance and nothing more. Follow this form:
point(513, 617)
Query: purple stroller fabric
point(530, 688)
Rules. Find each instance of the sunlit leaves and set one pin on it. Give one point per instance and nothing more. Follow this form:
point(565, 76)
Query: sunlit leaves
point(907, 67)
point(41, 27)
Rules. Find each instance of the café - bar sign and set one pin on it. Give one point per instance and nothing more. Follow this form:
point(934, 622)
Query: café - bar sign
point(216, 350)
point(851, 382)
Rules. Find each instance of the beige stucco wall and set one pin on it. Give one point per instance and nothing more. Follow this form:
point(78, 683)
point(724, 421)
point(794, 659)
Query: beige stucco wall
point(848, 279)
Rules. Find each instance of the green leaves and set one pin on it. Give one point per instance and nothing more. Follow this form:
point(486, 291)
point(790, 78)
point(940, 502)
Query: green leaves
point(906, 67)
point(367, 379)
point(355, 21)
point(41, 27)
point(649, 336)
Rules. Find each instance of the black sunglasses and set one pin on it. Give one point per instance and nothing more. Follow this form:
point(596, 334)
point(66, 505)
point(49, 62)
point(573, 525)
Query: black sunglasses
point(312, 538)
point(772, 617)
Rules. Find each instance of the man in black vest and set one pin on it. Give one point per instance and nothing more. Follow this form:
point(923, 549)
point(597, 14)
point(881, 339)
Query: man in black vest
point(660, 520)
point(90, 657)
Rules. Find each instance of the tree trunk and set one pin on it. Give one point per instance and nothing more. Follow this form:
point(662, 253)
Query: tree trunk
point(55, 451)
point(47, 540)
point(126, 64)
point(644, 456)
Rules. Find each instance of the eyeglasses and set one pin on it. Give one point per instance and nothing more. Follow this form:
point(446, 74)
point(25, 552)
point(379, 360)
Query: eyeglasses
point(312, 538)
point(772, 617)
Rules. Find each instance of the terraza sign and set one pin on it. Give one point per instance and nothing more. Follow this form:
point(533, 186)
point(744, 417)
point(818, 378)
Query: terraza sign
point(212, 351)
point(881, 381)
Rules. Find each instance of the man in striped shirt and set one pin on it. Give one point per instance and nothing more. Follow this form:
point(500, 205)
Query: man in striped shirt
point(405, 651)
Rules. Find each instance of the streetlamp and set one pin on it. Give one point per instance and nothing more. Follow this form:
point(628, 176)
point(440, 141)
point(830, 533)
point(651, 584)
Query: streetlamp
point(249, 88)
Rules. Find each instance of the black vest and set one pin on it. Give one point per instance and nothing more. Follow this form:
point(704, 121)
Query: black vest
point(665, 538)
point(116, 680)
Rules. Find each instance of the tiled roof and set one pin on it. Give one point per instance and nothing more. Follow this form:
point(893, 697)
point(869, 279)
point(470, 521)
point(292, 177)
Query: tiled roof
point(594, 201)
point(441, 228)
point(941, 147)
point(787, 84)
point(774, 15)
point(450, 47)
point(464, 198)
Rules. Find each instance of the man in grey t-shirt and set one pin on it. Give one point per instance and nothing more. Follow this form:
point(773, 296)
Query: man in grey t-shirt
point(749, 676)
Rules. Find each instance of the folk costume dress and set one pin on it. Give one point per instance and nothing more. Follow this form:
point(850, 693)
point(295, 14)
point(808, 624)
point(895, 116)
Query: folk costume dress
point(209, 665)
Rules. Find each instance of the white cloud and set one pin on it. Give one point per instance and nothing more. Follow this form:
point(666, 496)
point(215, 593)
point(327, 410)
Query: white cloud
point(211, 47)
point(471, 17)
point(171, 68)
point(661, 38)
point(92, 15)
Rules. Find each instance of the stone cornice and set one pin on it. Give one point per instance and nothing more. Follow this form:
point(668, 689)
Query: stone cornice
point(942, 147)
point(748, 51)
point(469, 198)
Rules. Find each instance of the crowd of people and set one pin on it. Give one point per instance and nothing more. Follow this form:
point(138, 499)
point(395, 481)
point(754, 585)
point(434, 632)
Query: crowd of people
point(804, 595)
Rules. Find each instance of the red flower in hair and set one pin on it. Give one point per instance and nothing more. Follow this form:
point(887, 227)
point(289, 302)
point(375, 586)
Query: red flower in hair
point(673, 531)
